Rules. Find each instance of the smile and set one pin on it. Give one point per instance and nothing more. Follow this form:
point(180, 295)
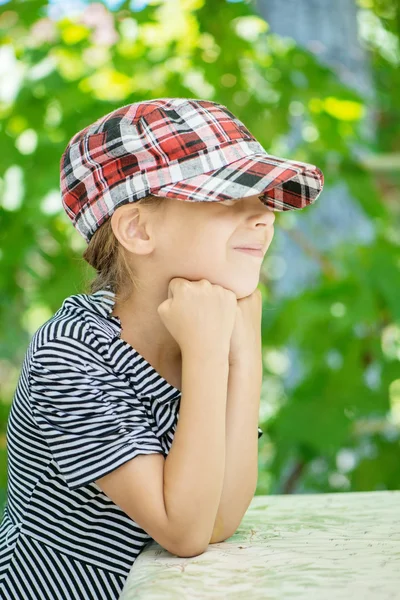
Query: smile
point(259, 253)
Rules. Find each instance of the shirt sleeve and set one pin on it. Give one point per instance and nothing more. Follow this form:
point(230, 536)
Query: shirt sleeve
point(260, 433)
point(89, 431)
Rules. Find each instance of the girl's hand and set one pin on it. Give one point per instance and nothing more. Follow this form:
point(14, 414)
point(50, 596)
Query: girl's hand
point(246, 335)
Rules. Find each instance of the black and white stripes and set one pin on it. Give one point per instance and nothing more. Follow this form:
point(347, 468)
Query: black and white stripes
point(86, 402)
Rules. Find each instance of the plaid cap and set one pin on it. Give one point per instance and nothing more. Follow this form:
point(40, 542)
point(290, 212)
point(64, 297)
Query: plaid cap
point(182, 148)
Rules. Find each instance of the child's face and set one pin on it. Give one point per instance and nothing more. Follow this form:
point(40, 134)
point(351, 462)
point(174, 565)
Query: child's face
point(197, 240)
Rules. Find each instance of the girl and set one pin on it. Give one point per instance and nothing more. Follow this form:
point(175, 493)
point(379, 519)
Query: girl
point(166, 192)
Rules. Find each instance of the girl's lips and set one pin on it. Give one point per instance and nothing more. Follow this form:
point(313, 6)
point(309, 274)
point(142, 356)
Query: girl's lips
point(252, 252)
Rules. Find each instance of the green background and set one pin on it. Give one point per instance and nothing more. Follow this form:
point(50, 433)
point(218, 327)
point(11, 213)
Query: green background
point(332, 431)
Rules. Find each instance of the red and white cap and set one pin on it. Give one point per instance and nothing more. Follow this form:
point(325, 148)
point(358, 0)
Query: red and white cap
point(182, 148)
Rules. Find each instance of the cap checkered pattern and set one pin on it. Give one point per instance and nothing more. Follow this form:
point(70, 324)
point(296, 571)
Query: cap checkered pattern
point(183, 148)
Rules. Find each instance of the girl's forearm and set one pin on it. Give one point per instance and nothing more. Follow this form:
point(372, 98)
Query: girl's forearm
point(241, 454)
point(194, 468)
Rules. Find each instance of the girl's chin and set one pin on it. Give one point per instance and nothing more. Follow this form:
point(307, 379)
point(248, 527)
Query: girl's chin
point(243, 292)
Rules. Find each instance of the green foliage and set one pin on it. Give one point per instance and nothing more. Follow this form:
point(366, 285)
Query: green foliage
point(345, 329)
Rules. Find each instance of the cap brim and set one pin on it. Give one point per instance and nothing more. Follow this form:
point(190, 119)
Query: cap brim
point(283, 184)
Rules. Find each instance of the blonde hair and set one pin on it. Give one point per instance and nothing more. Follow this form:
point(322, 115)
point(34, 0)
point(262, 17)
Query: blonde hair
point(105, 254)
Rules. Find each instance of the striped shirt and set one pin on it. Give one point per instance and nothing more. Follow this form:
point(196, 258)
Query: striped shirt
point(86, 402)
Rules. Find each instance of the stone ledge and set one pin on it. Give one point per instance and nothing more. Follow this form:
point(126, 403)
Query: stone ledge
point(315, 546)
